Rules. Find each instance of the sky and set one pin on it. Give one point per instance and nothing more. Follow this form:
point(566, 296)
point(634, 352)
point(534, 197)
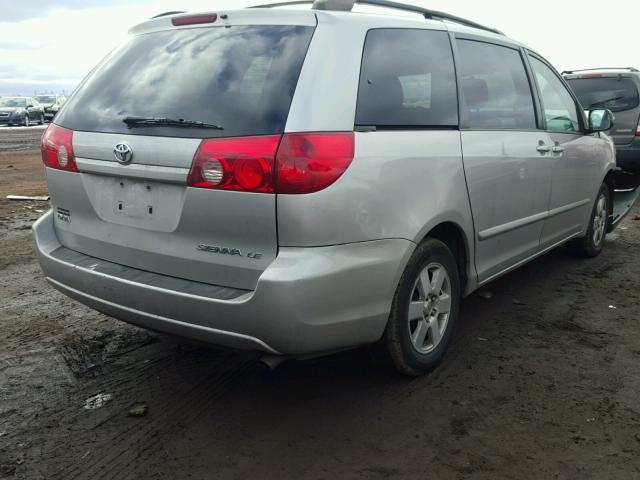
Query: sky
point(50, 45)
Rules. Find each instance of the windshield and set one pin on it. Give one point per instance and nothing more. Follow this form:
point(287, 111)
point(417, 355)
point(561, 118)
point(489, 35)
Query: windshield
point(13, 102)
point(615, 93)
point(240, 77)
point(46, 99)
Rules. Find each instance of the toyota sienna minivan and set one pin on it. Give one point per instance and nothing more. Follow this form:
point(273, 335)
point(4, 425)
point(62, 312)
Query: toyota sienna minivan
point(298, 182)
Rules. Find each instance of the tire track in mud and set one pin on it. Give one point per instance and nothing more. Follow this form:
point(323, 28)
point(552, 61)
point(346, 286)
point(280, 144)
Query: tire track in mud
point(128, 446)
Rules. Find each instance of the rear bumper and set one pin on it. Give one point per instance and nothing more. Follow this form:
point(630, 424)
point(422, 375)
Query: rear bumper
point(628, 156)
point(308, 300)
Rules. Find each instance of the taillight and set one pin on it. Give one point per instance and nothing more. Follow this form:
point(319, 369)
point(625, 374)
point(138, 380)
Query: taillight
point(305, 162)
point(57, 148)
point(243, 163)
point(638, 129)
point(309, 162)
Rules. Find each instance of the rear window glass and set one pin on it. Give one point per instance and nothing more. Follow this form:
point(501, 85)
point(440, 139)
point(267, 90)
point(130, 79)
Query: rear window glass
point(407, 80)
point(615, 93)
point(241, 78)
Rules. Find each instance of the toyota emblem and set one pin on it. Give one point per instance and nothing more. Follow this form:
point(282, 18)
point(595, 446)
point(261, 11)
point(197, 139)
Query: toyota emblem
point(123, 153)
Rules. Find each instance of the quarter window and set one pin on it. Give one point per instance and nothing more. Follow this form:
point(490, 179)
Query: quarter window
point(407, 80)
point(497, 93)
point(560, 109)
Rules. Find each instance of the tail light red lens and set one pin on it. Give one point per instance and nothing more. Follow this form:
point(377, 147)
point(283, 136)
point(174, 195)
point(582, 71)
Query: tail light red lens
point(638, 129)
point(243, 163)
point(57, 148)
point(304, 163)
point(309, 162)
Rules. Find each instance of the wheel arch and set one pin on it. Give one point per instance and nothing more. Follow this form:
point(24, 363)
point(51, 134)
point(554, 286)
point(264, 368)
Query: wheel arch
point(453, 236)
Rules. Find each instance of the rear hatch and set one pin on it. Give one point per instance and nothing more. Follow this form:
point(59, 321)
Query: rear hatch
point(130, 201)
point(618, 93)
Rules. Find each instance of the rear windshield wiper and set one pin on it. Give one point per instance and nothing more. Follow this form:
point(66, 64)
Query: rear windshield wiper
point(604, 102)
point(168, 122)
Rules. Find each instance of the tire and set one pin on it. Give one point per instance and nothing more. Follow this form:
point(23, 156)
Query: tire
point(421, 322)
point(593, 242)
point(41, 122)
point(26, 121)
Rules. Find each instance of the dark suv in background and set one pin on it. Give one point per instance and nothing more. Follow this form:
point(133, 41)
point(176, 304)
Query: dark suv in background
point(616, 89)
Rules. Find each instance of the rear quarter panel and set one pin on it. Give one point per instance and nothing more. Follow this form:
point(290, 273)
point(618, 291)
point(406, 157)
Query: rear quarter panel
point(399, 185)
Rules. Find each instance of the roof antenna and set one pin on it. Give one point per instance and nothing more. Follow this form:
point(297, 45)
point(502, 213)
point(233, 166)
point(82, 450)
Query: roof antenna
point(341, 5)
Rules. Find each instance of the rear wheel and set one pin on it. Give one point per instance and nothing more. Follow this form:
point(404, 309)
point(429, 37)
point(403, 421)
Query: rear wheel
point(26, 121)
point(424, 312)
point(593, 242)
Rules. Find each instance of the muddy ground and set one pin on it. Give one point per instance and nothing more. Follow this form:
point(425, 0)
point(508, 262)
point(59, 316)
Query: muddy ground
point(15, 139)
point(541, 382)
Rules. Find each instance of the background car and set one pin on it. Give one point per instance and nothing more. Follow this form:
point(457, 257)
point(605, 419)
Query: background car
point(617, 90)
point(21, 111)
point(51, 104)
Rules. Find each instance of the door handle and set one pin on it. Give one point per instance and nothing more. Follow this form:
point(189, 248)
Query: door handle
point(557, 149)
point(543, 148)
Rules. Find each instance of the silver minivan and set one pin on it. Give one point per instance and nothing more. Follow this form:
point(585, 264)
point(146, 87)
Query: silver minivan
point(299, 182)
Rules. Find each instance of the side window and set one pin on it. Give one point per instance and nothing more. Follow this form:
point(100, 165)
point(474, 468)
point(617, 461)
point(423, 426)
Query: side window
point(407, 80)
point(496, 89)
point(560, 110)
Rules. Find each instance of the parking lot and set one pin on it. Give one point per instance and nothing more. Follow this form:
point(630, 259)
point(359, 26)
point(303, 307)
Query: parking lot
point(540, 382)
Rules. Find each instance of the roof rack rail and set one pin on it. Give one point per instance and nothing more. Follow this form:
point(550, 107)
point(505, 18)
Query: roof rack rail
point(630, 69)
point(347, 5)
point(168, 13)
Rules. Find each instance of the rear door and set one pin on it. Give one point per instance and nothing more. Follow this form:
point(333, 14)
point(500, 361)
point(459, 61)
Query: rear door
point(507, 159)
point(618, 93)
point(137, 209)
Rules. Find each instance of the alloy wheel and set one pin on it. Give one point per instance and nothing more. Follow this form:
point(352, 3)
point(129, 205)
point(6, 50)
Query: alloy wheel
point(429, 308)
point(600, 220)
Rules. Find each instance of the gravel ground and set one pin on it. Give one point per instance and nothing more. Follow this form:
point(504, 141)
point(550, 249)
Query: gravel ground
point(15, 139)
point(541, 382)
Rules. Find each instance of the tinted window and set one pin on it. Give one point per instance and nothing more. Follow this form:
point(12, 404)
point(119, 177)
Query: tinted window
point(560, 109)
point(242, 78)
point(407, 79)
point(497, 94)
point(615, 93)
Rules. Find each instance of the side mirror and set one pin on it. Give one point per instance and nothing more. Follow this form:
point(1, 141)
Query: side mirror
point(601, 120)
point(29, 106)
